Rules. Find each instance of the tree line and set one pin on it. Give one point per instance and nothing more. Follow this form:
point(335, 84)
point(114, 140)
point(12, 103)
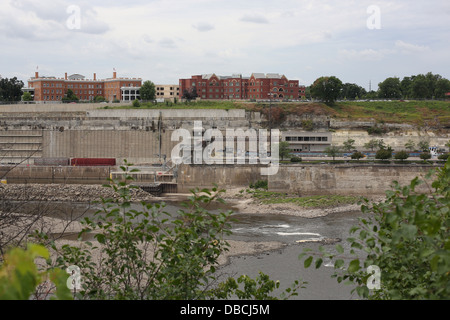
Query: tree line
point(428, 86)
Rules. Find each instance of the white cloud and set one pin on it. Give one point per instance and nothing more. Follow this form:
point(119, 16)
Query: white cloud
point(203, 27)
point(48, 20)
point(254, 18)
point(365, 54)
point(167, 43)
point(294, 37)
point(405, 47)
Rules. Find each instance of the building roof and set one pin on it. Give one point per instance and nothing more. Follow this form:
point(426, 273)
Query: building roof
point(76, 76)
point(258, 75)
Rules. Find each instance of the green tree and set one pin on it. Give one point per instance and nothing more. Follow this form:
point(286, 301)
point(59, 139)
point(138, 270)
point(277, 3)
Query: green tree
point(420, 88)
point(27, 96)
point(371, 95)
point(333, 151)
point(148, 91)
point(401, 155)
point(383, 154)
point(442, 87)
point(374, 143)
point(10, 89)
point(405, 87)
point(99, 99)
point(407, 237)
point(327, 89)
point(424, 145)
point(136, 103)
point(390, 89)
point(357, 155)
point(410, 145)
point(348, 145)
point(190, 94)
point(20, 276)
point(352, 91)
point(425, 156)
point(284, 149)
point(70, 96)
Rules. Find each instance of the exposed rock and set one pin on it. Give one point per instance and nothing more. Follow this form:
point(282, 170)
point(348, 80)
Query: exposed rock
point(64, 192)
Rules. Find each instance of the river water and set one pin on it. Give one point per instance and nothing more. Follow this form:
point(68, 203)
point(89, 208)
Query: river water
point(284, 264)
point(281, 264)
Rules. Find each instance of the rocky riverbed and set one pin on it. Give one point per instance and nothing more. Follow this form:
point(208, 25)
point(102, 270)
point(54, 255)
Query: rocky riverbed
point(65, 192)
point(239, 202)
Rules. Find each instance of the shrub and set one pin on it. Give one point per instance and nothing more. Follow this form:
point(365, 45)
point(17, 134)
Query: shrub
point(444, 156)
point(307, 125)
point(383, 154)
point(425, 156)
point(136, 103)
point(375, 130)
point(260, 184)
point(20, 278)
point(401, 155)
point(357, 155)
point(296, 159)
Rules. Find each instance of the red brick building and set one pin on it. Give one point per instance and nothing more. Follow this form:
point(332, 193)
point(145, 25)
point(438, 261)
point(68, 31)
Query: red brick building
point(258, 86)
point(52, 89)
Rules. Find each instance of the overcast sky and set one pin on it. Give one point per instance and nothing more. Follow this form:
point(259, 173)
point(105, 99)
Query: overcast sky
point(165, 40)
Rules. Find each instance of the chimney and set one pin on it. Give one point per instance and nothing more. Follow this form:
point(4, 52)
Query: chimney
point(114, 75)
point(65, 76)
point(95, 77)
point(36, 74)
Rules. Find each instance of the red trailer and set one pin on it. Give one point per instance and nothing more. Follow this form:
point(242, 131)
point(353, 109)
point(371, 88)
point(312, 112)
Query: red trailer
point(92, 161)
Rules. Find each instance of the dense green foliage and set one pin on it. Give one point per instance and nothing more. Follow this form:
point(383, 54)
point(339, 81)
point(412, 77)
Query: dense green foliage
point(148, 91)
point(284, 151)
point(401, 155)
point(357, 155)
point(327, 89)
point(70, 97)
point(10, 89)
point(383, 154)
point(407, 236)
point(333, 151)
point(20, 276)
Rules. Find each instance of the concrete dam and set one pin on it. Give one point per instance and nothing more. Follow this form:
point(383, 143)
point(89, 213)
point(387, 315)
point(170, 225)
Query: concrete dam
point(29, 133)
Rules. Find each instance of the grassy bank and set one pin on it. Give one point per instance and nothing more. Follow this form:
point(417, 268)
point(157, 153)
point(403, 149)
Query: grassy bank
point(268, 197)
point(413, 112)
point(398, 111)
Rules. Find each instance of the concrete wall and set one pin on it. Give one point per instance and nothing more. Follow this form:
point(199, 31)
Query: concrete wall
point(360, 180)
point(343, 179)
point(55, 107)
point(69, 175)
point(204, 176)
point(168, 113)
point(136, 146)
